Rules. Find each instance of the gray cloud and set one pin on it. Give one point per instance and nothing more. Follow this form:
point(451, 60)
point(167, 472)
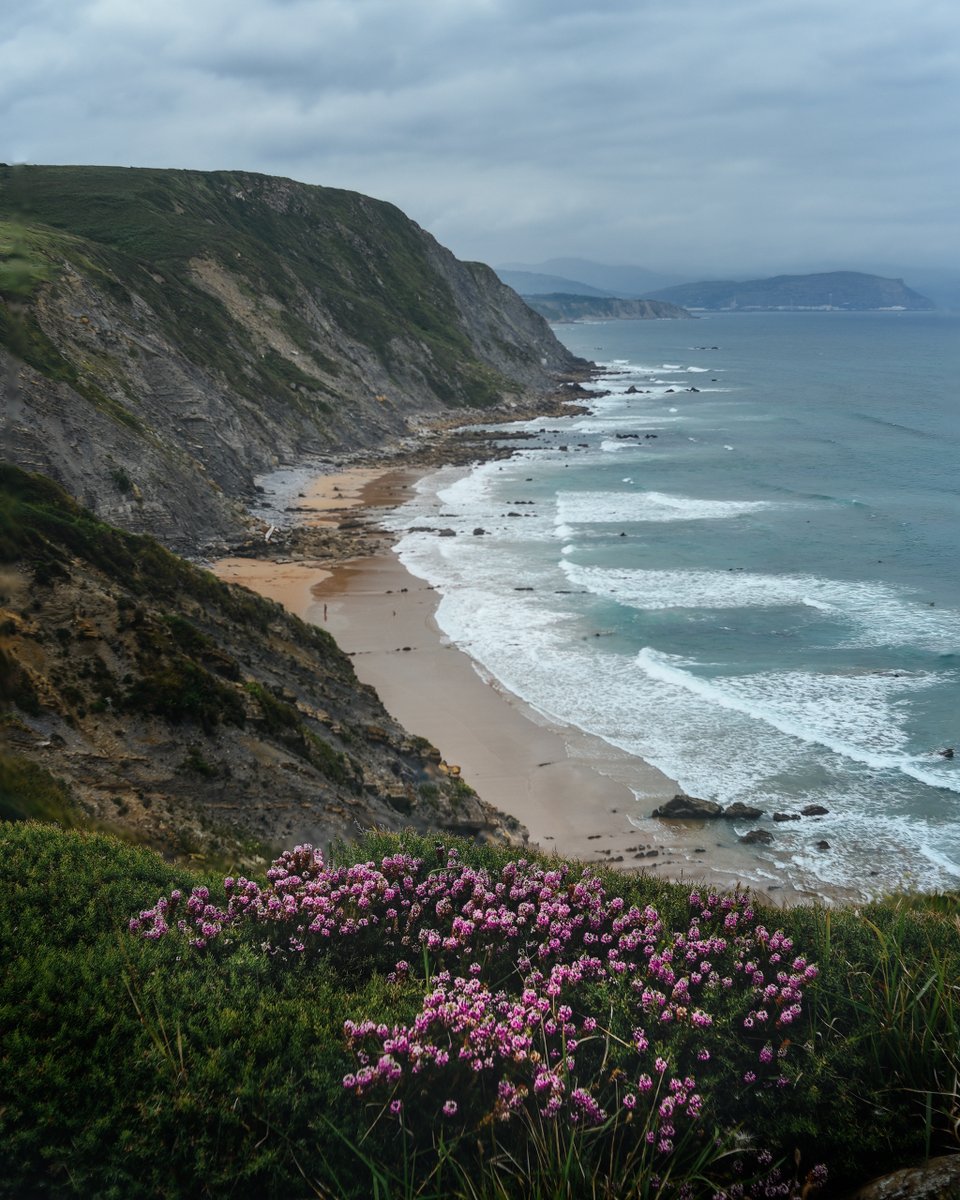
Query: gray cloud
point(681, 134)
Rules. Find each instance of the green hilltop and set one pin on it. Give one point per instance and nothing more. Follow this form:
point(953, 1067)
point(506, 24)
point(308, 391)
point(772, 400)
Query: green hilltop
point(194, 328)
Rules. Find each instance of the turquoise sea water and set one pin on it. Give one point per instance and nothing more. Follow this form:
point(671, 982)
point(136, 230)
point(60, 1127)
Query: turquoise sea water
point(762, 598)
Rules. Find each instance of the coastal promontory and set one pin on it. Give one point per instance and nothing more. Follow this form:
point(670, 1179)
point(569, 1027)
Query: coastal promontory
point(167, 335)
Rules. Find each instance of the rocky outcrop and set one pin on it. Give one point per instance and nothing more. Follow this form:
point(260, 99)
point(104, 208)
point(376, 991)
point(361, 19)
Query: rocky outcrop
point(938, 1179)
point(168, 335)
point(738, 811)
point(688, 806)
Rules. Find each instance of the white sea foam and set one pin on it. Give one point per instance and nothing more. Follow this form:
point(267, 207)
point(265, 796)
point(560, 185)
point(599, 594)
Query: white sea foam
point(852, 715)
point(874, 614)
point(775, 738)
point(575, 508)
point(739, 738)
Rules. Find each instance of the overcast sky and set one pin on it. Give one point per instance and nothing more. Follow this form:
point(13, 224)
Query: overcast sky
point(719, 136)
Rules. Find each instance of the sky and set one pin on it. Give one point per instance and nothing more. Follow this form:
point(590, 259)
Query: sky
point(706, 137)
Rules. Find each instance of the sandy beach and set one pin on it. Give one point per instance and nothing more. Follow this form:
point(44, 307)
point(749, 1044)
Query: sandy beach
point(577, 795)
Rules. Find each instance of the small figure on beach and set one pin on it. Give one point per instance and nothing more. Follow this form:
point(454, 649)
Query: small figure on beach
point(324, 612)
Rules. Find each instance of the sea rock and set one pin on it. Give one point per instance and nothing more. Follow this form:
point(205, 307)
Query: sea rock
point(688, 806)
point(822, 845)
point(763, 836)
point(740, 811)
point(814, 810)
point(786, 816)
point(479, 531)
point(937, 1179)
point(447, 533)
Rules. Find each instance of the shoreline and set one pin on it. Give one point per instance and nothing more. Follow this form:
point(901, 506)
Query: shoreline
point(578, 796)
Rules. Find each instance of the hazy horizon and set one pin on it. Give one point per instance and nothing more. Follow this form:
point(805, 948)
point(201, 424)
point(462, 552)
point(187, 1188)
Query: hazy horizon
point(693, 139)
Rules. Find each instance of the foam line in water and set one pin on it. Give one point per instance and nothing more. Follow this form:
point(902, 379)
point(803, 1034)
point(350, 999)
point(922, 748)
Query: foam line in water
point(606, 507)
point(877, 614)
point(811, 708)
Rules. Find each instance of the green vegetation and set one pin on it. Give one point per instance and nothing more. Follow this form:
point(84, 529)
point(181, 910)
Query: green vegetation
point(42, 525)
point(181, 690)
point(22, 266)
point(138, 1067)
point(28, 792)
point(28, 258)
point(139, 230)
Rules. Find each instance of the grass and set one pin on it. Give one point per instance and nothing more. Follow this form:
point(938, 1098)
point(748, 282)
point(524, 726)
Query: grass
point(139, 1068)
point(28, 792)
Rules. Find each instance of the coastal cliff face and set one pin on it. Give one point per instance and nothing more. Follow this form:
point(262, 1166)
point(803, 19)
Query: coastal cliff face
point(165, 336)
point(140, 695)
point(604, 308)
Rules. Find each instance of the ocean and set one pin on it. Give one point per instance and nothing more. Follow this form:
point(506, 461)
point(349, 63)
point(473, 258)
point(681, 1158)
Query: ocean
point(741, 566)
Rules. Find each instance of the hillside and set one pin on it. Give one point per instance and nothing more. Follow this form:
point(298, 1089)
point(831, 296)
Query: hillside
point(847, 290)
point(139, 694)
point(166, 335)
point(603, 308)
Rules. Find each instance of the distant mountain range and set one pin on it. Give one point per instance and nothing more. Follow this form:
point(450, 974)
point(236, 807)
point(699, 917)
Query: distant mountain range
point(842, 290)
point(847, 290)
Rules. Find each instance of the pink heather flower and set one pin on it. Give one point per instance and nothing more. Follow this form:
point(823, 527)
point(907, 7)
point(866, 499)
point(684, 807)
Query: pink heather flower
point(630, 1100)
point(660, 1064)
point(396, 1106)
point(749, 1077)
point(450, 1108)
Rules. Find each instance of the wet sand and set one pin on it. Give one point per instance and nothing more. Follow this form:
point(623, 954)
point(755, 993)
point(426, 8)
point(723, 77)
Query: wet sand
point(577, 795)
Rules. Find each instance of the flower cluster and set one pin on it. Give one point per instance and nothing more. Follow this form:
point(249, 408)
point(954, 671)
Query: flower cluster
point(528, 967)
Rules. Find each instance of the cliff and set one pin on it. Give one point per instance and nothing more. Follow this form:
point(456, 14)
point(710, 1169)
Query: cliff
point(605, 308)
point(167, 335)
point(139, 694)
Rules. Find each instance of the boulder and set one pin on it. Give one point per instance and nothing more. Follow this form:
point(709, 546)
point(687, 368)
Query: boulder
point(786, 816)
point(688, 806)
point(740, 811)
point(814, 810)
point(937, 1179)
point(764, 836)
